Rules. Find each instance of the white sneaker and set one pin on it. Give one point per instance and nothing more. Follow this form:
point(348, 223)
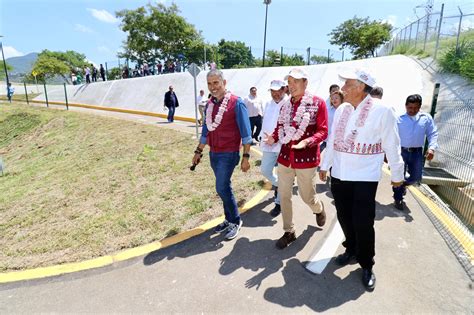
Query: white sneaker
point(233, 230)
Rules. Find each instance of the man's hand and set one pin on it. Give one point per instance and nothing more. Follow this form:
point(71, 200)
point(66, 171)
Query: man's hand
point(397, 184)
point(196, 158)
point(268, 139)
point(323, 175)
point(245, 165)
point(429, 154)
point(301, 145)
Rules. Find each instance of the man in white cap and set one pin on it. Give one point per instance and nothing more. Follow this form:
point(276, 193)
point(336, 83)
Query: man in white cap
point(302, 125)
point(270, 152)
point(363, 130)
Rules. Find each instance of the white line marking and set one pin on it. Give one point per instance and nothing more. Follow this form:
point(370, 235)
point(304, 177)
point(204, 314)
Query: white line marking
point(320, 259)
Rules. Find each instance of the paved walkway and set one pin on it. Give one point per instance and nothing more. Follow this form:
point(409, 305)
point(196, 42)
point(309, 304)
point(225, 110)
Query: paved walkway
point(416, 271)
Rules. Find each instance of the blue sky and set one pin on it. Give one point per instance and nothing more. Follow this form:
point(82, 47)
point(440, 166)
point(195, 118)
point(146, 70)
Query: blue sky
point(90, 26)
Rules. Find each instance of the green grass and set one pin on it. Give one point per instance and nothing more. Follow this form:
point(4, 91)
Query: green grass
point(20, 97)
point(449, 59)
point(78, 186)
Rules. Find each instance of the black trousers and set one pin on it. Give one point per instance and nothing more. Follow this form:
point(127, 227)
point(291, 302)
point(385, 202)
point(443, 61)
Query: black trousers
point(256, 122)
point(355, 205)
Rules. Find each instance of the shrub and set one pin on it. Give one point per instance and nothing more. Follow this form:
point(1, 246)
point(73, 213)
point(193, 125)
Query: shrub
point(452, 60)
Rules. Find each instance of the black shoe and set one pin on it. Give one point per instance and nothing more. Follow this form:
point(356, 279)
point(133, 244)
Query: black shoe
point(398, 205)
point(275, 193)
point(368, 278)
point(345, 258)
point(275, 211)
point(286, 239)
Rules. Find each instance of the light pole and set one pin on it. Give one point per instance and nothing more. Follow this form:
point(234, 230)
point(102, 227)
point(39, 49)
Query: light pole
point(266, 2)
point(4, 63)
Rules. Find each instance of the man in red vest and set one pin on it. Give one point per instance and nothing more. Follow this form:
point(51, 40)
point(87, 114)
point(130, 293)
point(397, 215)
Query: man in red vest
point(226, 125)
point(302, 126)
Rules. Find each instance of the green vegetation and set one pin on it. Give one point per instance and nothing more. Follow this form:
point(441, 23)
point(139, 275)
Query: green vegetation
point(52, 63)
point(78, 186)
point(460, 61)
point(361, 36)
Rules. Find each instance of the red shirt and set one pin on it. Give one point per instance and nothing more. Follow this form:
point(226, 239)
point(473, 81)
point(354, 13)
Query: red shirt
point(316, 132)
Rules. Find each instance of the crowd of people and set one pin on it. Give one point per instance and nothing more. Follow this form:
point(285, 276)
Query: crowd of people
point(353, 127)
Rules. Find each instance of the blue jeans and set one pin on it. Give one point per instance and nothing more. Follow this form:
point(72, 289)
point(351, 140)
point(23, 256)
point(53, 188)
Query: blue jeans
point(223, 165)
point(171, 111)
point(414, 166)
point(268, 164)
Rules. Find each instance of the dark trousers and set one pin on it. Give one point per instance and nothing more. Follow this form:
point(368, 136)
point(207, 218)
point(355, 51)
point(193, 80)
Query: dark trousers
point(171, 111)
point(256, 123)
point(414, 165)
point(355, 206)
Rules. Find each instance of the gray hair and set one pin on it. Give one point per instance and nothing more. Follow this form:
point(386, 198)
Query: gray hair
point(215, 72)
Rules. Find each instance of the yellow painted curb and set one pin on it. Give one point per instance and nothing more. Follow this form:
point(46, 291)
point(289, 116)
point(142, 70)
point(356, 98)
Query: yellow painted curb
point(114, 109)
point(50, 271)
point(450, 225)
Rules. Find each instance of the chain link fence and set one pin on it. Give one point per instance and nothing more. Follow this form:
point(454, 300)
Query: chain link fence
point(430, 35)
point(454, 120)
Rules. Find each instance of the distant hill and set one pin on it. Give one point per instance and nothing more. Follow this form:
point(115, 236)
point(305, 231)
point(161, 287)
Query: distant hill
point(23, 64)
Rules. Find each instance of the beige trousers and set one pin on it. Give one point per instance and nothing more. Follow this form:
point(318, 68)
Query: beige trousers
point(306, 180)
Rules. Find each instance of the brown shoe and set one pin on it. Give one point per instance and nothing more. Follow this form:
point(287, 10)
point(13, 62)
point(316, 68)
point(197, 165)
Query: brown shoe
point(286, 239)
point(321, 217)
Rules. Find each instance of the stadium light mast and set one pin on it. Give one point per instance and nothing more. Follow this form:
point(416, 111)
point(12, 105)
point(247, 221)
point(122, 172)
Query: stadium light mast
point(266, 2)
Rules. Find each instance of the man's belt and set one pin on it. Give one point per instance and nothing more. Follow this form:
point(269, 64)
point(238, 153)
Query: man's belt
point(412, 149)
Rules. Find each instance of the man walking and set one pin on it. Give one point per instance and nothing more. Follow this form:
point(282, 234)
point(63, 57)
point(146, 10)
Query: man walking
point(255, 110)
point(226, 126)
point(302, 125)
point(271, 152)
point(201, 100)
point(102, 72)
point(413, 127)
point(171, 102)
point(364, 130)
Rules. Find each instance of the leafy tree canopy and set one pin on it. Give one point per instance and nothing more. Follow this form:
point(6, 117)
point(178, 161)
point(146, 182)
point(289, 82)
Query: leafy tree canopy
point(274, 58)
point(234, 54)
point(361, 36)
point(2, 69)
point(316, 60)
point(159, 32)
point(52, 63)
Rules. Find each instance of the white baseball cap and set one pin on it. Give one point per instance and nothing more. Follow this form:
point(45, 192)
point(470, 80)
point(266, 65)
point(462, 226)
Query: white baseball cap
point(297, 73)
point(360, 75)
point(276, 85)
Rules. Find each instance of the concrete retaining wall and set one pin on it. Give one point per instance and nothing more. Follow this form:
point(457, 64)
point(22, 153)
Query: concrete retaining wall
point(398, 75)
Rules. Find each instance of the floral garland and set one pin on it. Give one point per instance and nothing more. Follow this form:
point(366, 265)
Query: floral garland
point(341, 144)
point(287, 132)
point(212, 125)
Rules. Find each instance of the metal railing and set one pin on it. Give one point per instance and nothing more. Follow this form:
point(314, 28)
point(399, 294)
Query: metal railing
point(454, 120)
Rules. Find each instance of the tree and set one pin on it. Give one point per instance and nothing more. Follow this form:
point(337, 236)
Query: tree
point(52, 63)
point(273, 58)
point(158, 32)
point(234, 54)
point(316, 60)
point(361, 36)
point(2, 69)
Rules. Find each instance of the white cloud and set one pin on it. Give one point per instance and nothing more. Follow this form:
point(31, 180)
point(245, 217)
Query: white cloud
point(103, 15)
point(82, 28)
point(391, 19)
point(9, 51)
